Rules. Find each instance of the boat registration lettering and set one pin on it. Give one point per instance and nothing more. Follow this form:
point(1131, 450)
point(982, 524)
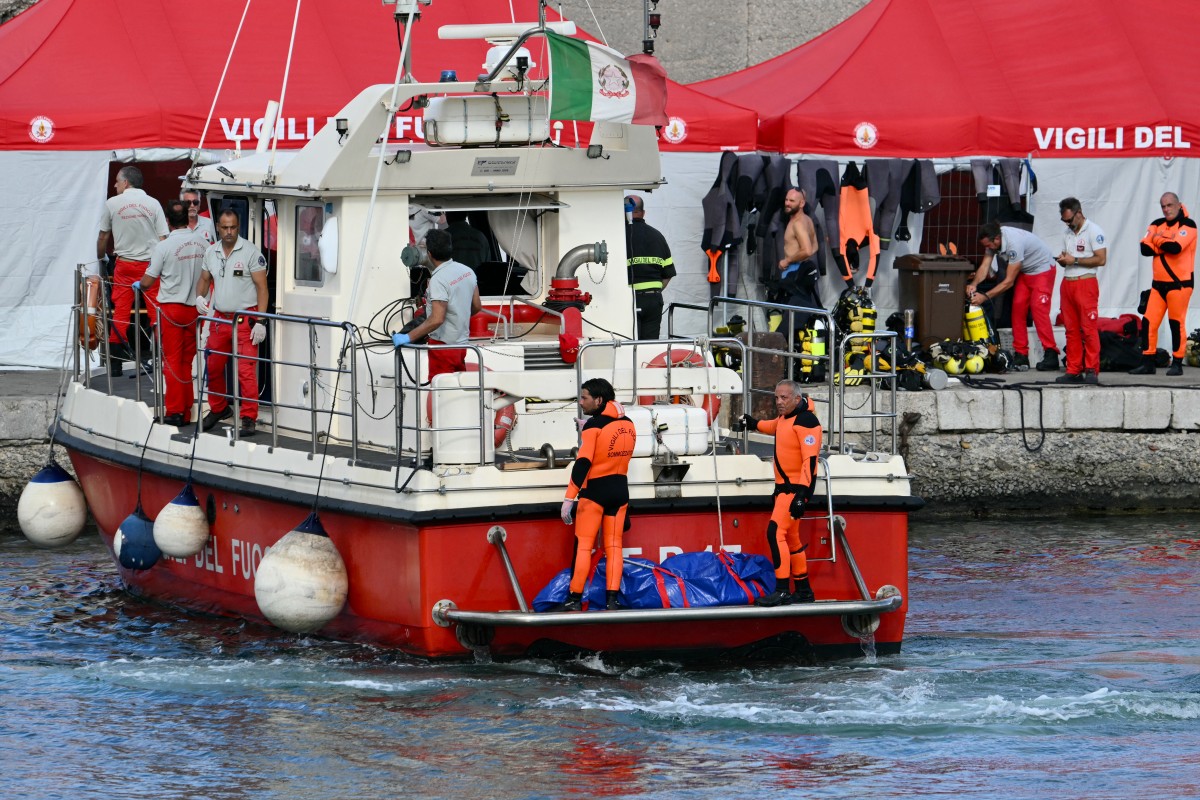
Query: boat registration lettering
point(495, 166)
point(245, 557)
point(666, 551)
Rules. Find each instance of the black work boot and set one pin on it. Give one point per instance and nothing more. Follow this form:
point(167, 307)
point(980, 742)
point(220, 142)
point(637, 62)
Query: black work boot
point(782, 596)
point(611, 603)
point(1049, 362)
point(1020, 361)
point(804, 592)
point(1147, 367)
point(574, 602)
point(1176, 367)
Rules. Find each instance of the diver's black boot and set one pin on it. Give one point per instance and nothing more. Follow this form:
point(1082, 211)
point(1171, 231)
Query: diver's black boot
point(1176, 367)
point(574, 602)
point(611, 603)
point(1147, 367)
point(782, 596)
point(804, 592)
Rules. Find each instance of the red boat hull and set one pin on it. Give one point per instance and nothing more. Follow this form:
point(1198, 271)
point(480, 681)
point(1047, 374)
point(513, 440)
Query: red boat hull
point(398, 571)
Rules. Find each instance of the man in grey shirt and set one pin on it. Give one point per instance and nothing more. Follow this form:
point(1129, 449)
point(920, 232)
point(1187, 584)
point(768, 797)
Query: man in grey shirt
point(450, 300)
point(1030, 269)
point(175, 265)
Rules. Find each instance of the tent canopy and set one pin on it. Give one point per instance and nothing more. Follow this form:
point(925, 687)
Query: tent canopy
point(118, 74)
point(940, 78)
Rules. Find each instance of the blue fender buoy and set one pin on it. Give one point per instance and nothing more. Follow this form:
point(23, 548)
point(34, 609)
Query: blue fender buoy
point(181, 528)
point(52, 510)
point(134, 542)
point(301, 583)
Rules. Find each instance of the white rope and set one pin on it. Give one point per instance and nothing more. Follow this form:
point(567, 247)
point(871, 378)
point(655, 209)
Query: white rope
point(702, 344)
point(212, 109)
point(287, 69)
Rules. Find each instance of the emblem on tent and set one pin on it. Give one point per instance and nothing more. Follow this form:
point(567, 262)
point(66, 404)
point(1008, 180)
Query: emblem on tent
point(865, 135)
point(676, 130)
point(41, 129)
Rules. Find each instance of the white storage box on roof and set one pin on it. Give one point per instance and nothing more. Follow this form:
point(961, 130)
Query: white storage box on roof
point(484, 119)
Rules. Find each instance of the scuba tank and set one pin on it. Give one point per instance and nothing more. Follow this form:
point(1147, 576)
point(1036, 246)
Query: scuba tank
point(813, 344)
point(975, 326)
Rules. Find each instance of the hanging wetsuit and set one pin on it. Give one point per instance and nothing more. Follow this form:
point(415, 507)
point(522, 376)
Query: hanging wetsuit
point(817, 178)
point(856, 228)
point(600, 480)
point(749, 194)
point(797, 446)
point(919, 194)
point(1172, 245)
point(722, 225)
point(885, 177)
point(772, 219)
point(1007, 210)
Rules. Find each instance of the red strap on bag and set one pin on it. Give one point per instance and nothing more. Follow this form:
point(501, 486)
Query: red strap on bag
point(727, 560)
point(659, 572)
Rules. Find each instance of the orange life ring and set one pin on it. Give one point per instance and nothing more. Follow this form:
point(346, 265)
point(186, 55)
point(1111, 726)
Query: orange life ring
point(711, 403)
point(505, 419)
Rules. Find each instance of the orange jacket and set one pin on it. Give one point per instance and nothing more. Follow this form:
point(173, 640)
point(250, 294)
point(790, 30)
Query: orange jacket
point(797, 445)
point(605, 449)
point(1173, 246)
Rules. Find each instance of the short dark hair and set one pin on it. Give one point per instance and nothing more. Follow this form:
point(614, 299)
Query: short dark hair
point(1069, 204)
point(132, 175)
point(229, 212)
point(599, 388)
point(439, 244)
point(989, 230)
point(177, 214)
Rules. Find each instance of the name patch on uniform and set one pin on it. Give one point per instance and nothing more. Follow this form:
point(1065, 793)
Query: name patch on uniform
point(810, 439)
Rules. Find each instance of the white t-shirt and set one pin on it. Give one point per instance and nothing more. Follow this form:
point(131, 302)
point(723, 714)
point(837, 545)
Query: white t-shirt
point(1083, 245)
point(176, 262)
point(233, 288)
point(454, 284)
point(137, 223)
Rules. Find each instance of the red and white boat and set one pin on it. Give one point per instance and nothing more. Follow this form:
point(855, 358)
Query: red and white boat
point(441, 499)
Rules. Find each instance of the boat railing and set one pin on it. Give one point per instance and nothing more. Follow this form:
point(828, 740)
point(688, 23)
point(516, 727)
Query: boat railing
point(761, 371)
point(880, 403)
point(413, 381)
point(703, 348)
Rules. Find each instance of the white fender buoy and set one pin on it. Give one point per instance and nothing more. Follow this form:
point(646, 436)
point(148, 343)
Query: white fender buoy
point(52, 510)
point(134, 542)
point(301, 583)
point(181, 528)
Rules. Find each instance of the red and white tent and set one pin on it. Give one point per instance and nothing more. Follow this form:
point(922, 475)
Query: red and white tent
point(84, 83)
point(1097, 96)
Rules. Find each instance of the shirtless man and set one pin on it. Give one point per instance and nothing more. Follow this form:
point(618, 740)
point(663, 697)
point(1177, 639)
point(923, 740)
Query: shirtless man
point(798, 272)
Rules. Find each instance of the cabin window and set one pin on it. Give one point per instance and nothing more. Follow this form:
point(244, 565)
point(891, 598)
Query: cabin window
point(239, 206)
point(310, 220)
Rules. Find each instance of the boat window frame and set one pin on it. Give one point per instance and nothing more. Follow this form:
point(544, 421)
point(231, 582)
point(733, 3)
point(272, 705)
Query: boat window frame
point(319, 282)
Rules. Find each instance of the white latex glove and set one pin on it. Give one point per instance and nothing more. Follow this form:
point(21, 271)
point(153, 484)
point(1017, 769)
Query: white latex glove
point(580, 422)
point(258, 333)
point(203, 307)
point(568, 507)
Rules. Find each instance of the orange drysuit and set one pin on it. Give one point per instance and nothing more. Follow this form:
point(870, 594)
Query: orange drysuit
point(599, 479)
point(797, 445)
point(1172, 245)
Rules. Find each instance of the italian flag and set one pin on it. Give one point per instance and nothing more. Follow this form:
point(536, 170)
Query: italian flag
point(593, 82)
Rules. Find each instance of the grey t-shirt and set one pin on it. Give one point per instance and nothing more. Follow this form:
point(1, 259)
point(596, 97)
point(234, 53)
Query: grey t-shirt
point(176, 262)
point(233, 288)
point(1017, 245)
point(137, 223)
point(454, 284)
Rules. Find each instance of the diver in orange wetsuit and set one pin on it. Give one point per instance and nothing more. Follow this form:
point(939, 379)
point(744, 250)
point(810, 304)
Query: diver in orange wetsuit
point(797, 434)
point(599, 479)
point(1171, 242)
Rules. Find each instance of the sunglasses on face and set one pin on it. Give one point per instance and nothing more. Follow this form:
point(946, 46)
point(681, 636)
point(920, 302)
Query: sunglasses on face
point(191, 202)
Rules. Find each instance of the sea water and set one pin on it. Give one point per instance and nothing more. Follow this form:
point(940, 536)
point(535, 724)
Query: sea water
point(1054, 659)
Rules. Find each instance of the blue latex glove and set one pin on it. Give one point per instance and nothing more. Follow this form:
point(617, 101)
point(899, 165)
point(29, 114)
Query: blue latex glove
point(136, 286)
point(400, 339)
